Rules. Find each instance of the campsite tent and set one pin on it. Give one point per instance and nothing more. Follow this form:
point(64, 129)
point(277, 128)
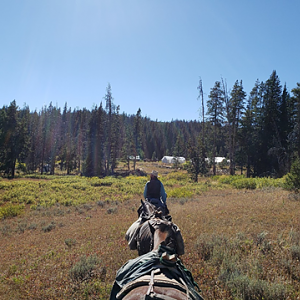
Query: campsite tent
point(172, 159)
point(218, 159)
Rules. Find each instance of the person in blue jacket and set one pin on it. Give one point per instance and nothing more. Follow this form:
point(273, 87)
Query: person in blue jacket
point(154, 191)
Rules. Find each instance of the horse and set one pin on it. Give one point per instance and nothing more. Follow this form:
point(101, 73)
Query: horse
point(140, 235)
point(157, 274)
point(158, 231)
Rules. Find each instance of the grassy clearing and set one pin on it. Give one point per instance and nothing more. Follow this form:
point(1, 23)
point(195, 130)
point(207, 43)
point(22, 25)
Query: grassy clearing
point(67, 242)
point(76, 190)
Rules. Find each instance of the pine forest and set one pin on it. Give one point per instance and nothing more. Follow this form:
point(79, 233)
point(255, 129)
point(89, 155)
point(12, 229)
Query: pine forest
point(259, 134)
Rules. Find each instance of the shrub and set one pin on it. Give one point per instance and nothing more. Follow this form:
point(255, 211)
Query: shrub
point(5, 229)
point(82, 270)
point(295, 237)
point(178, 176)
point(183, 201)
point(58, 212)
point(205, 248)
point(295, 252)
point(32, 226)
point(226, 179)
point(268, 182)
point(70, 242)
point(294, 196)
point(101, 203)
point(248, 288)
point(181, 192)
point(211, 247)
point(87, 207)
point(292, 179)
point(112, 210)
point(244, 183)
point(79, 210)
point(261, 237)
point(48, 227)
point(22, 227)
point(10, 211)
point(229, 269)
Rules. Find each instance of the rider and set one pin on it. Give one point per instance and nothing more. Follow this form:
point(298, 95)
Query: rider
point(154, 191)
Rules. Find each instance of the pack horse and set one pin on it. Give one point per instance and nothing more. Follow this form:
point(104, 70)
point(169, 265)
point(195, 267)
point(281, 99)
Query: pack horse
point(157, 273)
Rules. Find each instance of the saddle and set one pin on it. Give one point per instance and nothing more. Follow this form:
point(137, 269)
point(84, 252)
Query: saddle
point(155, 275)
point(152, 283)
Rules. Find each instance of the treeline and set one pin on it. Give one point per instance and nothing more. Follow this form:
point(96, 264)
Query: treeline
point(91, 142)
point(259, 133)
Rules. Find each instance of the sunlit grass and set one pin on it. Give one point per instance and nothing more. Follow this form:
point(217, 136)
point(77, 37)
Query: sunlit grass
point(76, 190)
point(238, 241)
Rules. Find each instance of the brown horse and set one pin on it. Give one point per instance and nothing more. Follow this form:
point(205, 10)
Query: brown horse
point(158, 231)
point(140, 235)
point(158, 274)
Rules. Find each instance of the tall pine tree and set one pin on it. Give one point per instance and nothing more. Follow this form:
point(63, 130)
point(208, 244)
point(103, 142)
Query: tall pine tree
point(215, 111)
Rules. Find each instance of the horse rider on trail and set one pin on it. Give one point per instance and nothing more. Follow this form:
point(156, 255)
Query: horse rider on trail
point(154, 191)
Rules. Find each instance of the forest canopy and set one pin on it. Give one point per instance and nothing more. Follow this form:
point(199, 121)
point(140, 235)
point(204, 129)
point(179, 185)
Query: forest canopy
point(259, 132)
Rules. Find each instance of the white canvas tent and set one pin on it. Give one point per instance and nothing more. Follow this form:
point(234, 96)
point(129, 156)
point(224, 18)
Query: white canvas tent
point(218, 159)
point(172, 159)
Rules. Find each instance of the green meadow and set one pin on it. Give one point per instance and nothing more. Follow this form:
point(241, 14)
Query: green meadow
point(62, 237)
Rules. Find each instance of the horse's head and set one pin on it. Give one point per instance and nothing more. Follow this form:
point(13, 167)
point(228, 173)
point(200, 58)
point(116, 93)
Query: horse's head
point(155, 232)
point(147, 211)
point(163, 234)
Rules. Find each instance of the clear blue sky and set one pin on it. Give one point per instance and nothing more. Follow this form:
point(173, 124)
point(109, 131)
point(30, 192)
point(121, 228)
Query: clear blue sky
point(152, 52)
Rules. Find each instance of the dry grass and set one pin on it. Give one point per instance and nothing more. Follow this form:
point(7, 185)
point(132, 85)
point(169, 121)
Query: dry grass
point(261, 228)
point(231, 214)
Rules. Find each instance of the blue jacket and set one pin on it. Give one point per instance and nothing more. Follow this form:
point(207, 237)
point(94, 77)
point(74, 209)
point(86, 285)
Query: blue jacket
point(163, 194)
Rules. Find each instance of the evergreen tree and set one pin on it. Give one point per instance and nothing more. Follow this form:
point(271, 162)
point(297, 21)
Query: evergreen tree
point(202, 113)
point(137, 135)
point(33, 158)
point(294, 136)
point(94, 160)
point(90, 167)
point(215, 110)
point(115, 132)
point(81, 129)
point(247, 134)
point(196, 156)
point(53, 136)
point(13, 136)
point(128, 145)
point(63, 137)
point(235, 110)
point(109, 107)
point(69, 142)
point(285, 127)
point(271, 142)
point(256, 146)
point(292, 181)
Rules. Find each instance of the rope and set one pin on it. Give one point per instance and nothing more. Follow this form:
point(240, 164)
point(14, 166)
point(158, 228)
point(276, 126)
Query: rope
point(151, 282)
point(186, 287)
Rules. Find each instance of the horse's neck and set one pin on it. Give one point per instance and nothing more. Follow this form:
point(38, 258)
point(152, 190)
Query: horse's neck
point(159, 237)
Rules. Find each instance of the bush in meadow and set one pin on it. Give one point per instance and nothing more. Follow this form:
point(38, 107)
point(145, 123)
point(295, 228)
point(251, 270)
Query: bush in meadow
point(292, 179)
point(83, 269)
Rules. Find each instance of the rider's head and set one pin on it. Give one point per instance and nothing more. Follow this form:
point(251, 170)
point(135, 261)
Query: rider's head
point(154, 174)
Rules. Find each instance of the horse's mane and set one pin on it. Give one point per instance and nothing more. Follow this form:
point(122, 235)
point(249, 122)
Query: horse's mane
point(148, 211)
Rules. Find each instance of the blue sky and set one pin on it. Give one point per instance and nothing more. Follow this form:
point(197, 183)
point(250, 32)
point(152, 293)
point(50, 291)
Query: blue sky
point(152, 52)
